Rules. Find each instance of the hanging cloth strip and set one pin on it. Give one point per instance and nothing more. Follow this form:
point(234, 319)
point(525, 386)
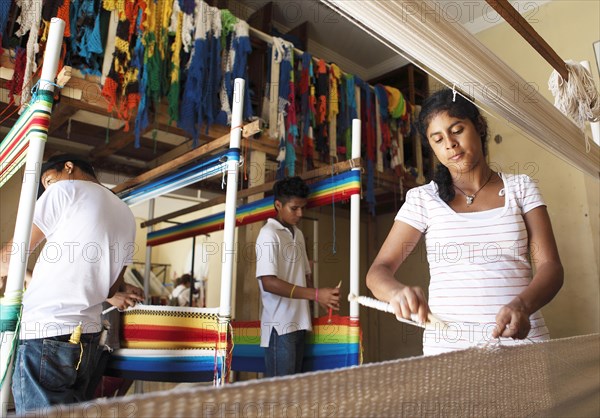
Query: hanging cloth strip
point(5, 7)
point(335, 74)
point(121, 87)
point(235, 66)
point(15, 85)
point(307, 109)
point(324, 192)
point(322, 84)
point(138, 61)
point(198, 171)
point(87, 51)
point(352, 111)
point(211, 104)
point(369, 132)
point(29, 21)
point(175, 30)
point(226, 86)
point(283, 54)
point(242, 48)
point(384, 123)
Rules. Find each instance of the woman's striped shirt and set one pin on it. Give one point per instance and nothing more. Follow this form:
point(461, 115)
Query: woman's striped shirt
point(478, 262)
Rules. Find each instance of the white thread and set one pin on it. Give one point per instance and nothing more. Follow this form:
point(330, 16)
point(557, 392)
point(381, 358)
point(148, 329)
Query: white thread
point(453, 93)
point(384, 307)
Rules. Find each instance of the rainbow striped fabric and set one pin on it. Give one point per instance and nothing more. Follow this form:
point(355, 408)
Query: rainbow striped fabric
point(183, 177)
point(33, 122)
point(193, 365)
point(329, 346)
point(172, 327)
point(330, 190)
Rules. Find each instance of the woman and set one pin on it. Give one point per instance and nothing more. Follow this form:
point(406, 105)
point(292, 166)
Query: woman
point(481, 228)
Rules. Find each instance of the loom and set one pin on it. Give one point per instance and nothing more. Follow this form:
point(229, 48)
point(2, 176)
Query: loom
point(163, 329)
point(553, 378)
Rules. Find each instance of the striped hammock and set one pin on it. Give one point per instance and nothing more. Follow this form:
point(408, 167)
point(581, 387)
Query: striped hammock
point(171, 344)
point(333, 189)
point(328, 346)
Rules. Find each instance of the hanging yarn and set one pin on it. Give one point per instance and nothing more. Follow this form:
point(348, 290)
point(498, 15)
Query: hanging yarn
point(15, 85)
point(576, 97)
point(176, 30)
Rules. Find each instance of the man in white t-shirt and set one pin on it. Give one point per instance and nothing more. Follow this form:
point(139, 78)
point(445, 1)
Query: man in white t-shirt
point(90, 238)
point(283, 274)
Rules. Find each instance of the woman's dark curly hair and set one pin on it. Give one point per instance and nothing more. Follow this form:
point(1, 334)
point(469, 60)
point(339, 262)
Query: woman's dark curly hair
point(288, 188)
point(458, 107)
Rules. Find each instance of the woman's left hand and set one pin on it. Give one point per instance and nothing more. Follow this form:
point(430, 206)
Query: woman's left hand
point(512, 321)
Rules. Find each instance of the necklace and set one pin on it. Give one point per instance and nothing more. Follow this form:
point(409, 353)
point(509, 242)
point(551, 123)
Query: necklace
point(471, 198)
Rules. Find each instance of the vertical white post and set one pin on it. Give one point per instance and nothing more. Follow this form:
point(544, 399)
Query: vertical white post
point(27, 199)
point(315, 268)
point(148, 265)
point(231, 202)
point(355, 227)
point(594, 126)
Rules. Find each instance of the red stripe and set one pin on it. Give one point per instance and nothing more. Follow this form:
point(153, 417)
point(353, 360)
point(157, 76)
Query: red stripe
point(175, 334)
point(10, 163)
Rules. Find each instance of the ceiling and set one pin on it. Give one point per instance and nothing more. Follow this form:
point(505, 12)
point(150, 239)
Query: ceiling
point(85, 127)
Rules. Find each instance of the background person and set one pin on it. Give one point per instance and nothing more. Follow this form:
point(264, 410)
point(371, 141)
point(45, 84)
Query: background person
point(283, 273)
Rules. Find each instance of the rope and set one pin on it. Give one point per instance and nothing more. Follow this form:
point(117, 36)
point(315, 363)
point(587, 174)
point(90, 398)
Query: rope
point(576, 97)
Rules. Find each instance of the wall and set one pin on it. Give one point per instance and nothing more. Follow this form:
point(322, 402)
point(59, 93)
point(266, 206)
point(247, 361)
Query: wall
point(572, 197)
point(176, 253)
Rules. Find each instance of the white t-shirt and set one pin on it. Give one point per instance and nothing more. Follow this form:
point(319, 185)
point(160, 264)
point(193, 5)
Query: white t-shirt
point(182, 294)
point(477, 263)
point(90, 236)
point(280, 254)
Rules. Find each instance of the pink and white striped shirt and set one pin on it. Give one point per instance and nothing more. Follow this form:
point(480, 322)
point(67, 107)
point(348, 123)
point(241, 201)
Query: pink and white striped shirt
point(478, 262)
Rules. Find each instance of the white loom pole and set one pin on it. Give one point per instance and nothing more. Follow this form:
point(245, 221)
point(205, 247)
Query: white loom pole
point(315, 267)
point(594, 126)
point(231, 201)
point(27, 199)
point(355, 227)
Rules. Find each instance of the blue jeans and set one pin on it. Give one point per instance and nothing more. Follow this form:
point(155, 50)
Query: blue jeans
point(285, 353)
point(52, 371)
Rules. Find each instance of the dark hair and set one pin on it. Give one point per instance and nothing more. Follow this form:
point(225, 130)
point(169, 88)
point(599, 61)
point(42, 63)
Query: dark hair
point(288, 188)
point(57, 162)
point(185, 279)
point(456, 106)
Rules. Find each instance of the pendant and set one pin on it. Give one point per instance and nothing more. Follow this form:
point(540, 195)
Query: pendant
point(470, 200)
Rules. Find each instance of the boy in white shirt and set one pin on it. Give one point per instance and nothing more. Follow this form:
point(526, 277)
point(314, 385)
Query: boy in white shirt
point(283, 274)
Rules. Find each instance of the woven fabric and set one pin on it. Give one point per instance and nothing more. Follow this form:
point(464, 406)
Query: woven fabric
point(330, 345)
point(166, 365)
point(557, 378)
point(324, 192)
point(162, 327)
point(14, 146)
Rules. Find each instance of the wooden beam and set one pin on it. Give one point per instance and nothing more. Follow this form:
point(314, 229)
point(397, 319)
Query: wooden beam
point(319, 172)
point(248, 130)
point(518, 22)
point(61, 114)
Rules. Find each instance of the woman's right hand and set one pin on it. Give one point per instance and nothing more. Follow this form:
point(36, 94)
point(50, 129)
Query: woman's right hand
point(410, 300)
